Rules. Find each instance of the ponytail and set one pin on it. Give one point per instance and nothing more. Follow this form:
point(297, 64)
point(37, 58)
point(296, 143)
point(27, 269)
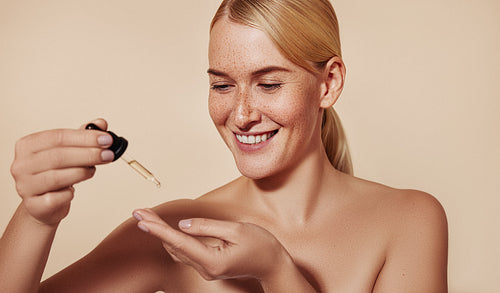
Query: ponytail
point(335, 142)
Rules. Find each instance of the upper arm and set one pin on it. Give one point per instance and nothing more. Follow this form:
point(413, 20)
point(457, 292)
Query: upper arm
point(128, 260)
point(417, 255)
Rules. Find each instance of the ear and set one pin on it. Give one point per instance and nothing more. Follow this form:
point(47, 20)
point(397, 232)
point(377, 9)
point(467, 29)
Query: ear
point(333, 82)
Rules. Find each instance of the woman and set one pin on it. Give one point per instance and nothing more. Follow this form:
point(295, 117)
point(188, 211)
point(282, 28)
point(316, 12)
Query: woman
point(296, 221)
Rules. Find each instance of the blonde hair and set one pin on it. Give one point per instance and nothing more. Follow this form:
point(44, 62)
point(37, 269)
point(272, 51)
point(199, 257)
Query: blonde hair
point(306, 32)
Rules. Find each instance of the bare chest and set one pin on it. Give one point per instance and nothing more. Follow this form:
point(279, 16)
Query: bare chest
point(343, 260)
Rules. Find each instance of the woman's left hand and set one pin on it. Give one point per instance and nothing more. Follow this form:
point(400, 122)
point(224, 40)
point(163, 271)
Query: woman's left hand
point(244, 249)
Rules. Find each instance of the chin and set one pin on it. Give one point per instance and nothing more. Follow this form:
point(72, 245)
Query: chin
point(257, 171)
point(253, 175)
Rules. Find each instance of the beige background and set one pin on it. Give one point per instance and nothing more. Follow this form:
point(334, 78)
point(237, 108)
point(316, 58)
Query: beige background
point(420, 108)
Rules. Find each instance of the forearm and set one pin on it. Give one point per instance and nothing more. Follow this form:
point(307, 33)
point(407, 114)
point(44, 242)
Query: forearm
point(24, 249)
point(287, 279)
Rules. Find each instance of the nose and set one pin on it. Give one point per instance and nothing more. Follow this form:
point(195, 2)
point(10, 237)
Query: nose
point(245, 112)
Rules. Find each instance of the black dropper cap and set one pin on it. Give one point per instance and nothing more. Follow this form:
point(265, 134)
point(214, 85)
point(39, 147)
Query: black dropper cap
point(119, 144)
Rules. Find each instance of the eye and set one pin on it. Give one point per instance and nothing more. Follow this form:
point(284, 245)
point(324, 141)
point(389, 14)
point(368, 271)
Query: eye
point(221, 88)
point(270, 86)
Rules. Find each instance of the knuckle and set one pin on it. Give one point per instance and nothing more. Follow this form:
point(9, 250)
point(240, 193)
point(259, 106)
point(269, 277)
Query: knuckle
point(17, 173)
point(203, 225)
point(59, 136)
point(56, 158)
point(15, 169)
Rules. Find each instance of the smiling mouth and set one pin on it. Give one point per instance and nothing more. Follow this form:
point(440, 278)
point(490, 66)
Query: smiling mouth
point(255, 139)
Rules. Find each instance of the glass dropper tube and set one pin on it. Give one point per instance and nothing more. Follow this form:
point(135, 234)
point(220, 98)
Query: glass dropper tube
point(134, 164)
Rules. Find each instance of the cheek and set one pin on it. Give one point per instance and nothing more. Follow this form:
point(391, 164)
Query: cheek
point(294, 109)
point(219, 110)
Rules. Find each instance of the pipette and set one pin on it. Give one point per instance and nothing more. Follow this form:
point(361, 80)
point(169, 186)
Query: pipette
point(118, 147)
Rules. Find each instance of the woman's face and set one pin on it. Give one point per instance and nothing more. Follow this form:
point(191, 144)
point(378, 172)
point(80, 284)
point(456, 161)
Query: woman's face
point(266, 108)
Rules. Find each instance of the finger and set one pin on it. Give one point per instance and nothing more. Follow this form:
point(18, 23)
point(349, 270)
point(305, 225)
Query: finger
point(61, 158)
point(51, 180)
point(48, 139)
point(101, 123)
point(183, 246)
point(224, 230)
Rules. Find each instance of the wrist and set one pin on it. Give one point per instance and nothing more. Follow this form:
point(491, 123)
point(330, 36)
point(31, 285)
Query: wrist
point(24, 250)
point(29, 219)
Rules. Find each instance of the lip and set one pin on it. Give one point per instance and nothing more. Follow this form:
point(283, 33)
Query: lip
point(257, 146)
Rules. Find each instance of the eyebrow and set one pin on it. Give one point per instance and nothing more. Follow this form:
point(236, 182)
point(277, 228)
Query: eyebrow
point(259, 72)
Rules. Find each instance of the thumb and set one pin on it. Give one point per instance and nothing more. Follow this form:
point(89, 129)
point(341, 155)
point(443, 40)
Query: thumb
point(99, 122)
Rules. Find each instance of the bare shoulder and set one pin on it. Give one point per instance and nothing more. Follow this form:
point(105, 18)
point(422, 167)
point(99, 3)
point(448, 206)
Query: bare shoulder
point(414, 208)
point(418, 217)
point(421, 209)
point(404, 207)
point(417, 245)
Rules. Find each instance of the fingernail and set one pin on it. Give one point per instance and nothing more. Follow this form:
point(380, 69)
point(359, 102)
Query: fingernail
point(137, 216)
point(143, 228)
point(105, 140)
point(185, 224)
point(107, 156)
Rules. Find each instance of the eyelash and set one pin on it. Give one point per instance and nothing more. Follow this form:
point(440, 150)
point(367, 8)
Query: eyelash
point(265, 86)
point(221, 87)
point(270, 86)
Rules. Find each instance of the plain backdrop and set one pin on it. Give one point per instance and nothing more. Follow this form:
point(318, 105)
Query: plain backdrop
point(420, 107)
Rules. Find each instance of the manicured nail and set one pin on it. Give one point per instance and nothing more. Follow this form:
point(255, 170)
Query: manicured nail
point(137, 216)
point(185, 224)
point(143, 228)
point(107, 156)
point(105, 140)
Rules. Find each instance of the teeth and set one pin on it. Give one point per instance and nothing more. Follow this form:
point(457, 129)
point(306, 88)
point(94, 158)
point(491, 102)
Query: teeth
point(254, 139)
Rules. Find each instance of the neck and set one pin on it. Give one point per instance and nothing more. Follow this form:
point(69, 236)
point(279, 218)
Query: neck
point(295, 195)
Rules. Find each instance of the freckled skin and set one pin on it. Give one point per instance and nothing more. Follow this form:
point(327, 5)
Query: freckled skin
point(293, 109)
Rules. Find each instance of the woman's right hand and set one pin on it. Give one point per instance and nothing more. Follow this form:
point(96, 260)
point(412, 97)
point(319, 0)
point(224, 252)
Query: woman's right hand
point(47, 164)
